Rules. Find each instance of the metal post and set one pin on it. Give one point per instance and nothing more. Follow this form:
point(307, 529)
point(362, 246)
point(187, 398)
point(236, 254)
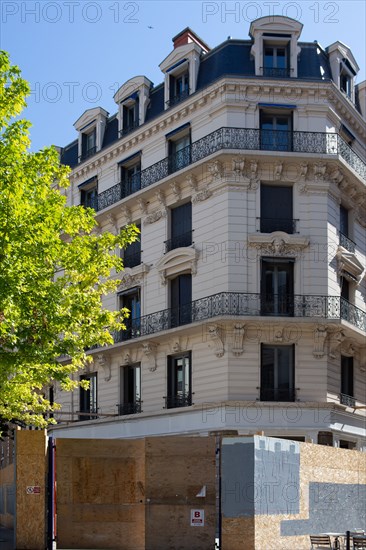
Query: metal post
point(348, 540)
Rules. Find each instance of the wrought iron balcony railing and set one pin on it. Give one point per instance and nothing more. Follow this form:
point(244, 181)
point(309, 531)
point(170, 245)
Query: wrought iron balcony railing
point(179, 400)
point(129, 128)
point(347, 243)
point(277, 72)
point(87, 153)
point(244, 305)
point(178, 98)
point(242, 139)
point(347, 400)
point(129, 408)
point(180, 240)
point(268, 225)
point(277, 394)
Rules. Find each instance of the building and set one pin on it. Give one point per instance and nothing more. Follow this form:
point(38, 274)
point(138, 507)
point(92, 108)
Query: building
point(245, 170)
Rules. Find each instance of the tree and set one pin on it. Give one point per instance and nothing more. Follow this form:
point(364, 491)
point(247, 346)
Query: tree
point(54, 268)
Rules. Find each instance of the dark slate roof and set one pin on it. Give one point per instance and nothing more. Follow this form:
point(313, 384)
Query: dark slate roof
point(231, 58)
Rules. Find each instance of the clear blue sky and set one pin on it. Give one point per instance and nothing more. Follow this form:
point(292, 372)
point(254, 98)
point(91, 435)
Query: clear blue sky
point(76, 53)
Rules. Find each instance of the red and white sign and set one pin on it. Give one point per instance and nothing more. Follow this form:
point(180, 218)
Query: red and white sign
point(33, 490)
point(197, 518)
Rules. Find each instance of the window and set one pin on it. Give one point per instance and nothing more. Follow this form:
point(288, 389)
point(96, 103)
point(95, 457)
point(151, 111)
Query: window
point(130, 175)
point(276, 60)
point(344, 230)
point(325, 438)
point(277, 373)
point(132, 254)
point(181, 300)
point(345, 80)
point(347, 397)
point(179, 88)
point(89, 193)
point(130, 114)
point(89, 144)
point(345, 444)
point(130, 390)
point(276, 131)
point(88, 398)
point(179, 381)
point(180, 227)
point(179, 152)
point(131, 300)
point(276, 209)
point(277, 287)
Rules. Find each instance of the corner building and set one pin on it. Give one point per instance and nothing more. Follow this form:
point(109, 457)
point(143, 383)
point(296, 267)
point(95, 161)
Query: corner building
point(245, 170)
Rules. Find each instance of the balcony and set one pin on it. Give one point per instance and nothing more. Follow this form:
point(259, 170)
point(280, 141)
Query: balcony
point(180, 240)
point(129, 128)
point(268, 225)
point(241, 139)
point(175, 401)
point(178, 98)
point(131, 260)
point(347, 400)
point(347, 243)
point(87, 153)
point(129, 408)
point(277, 394)
point(236, 304)
point(274, 72)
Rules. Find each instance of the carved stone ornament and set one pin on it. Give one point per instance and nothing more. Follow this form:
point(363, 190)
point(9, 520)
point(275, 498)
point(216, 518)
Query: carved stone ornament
point(238, 339)
point(278, 170)
point(336, 175)
point(238, 165)
point(320, 336)
point(202, 195)
point(216, 169)
point(214, 333)
point(155, 216)
point(150, 350)
point(335, 342)
point(254, 177)
point(127, 214)
point(112, 220)
point(278, 243)
point(192, 182)
point(176, 261)
point(143, 206)
point(127, 359)
point(160, 197)
point(319, 171)
point(103, 361)
point(133, 276)
point(176, 190)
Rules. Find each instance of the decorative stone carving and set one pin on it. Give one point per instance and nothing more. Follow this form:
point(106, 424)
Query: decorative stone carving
point(176, 190)
point(127, 214)
point(216, 169)
point(160, 197)
point(133, 276)
point(278, 243)
point(103, 361)
point(336, 175)
point(238, 165)
point(143, 206)
point(278, 335)
point(335, 342)
point(319, 171)
point(253, 176)
point(150, 349)
point(127, 359)
point(278, 170)
point(320, 336)
point(238, 340)
point(176, 261)
point(155, 216)
point(214, 333)
point(202, 195)
point(192, 182)
point(112, 220)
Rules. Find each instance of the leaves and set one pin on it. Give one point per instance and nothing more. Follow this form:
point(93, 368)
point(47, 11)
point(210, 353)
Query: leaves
point(54, 268)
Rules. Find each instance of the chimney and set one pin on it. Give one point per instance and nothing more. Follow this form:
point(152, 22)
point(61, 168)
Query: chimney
point(187, 36)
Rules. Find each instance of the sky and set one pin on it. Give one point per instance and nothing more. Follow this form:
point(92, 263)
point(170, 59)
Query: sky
point(77, 53)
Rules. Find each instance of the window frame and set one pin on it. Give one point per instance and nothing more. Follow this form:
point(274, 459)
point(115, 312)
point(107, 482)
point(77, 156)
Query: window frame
point(269, 225)
point(179, 397)
point(288, 394)
point(133, 251)
point(133, 322)
point(273, 304)
point(89, 396)
point(130, 400)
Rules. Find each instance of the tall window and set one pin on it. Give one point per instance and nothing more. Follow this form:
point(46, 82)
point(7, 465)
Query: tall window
point(130, 113)
point(179, 88)
point(276, 131)
point(277, 287)
point(88, 398)
point(88, 144)
point(130, 390)
point(179, 153)
point(89, 196)
point(180, 300)
point(347, 395)
point(130, 176)
point(132, 254)
point(180, 227)
point(179, 391)
point(276, 61)
point(276, 209)
point(277, 373)
point(344, 230)
point(131, 300)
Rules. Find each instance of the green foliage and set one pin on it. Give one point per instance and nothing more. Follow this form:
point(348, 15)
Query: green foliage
point(54, 268)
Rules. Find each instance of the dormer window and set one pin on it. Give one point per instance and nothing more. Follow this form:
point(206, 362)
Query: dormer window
point(91, 127)
point(130, 110)
point(89, 144)
point(344, 68)
point(179, 88)
point(276, 60)
point(132, 99)
point(346, 80)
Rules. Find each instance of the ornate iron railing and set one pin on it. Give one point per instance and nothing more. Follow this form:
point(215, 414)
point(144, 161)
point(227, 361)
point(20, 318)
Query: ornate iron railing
point(242, 139)
point(180, 240)
point(178, 98)
point(276, 394)
point(87, 153)
point(127, 129)
point(129, 408)
point(175, 401)
point(347, 400)
point(347, 243)
point(131, 259)
point(268, 225)
point(277, 72)
point(243, 305)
